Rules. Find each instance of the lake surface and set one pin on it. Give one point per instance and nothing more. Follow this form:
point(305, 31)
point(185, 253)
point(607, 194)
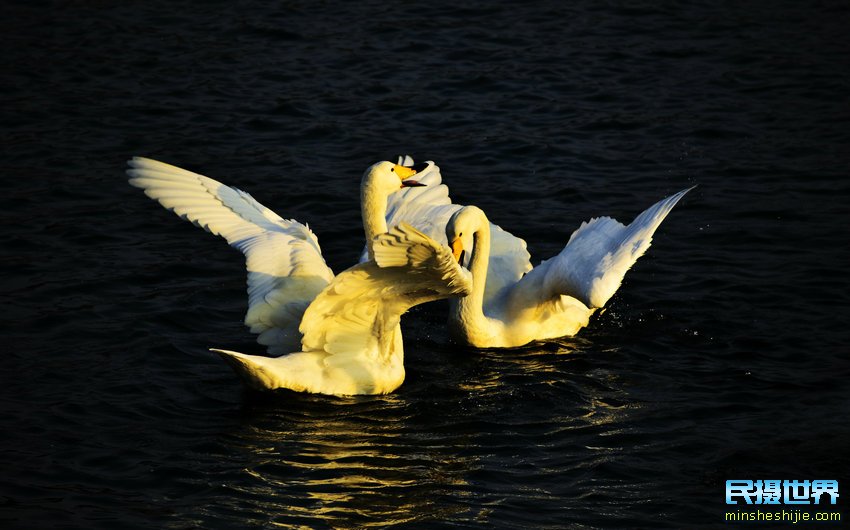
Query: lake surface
point(724, 355)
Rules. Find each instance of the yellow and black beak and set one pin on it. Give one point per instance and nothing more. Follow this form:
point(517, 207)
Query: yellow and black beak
point(457, 249)
point(404, 173)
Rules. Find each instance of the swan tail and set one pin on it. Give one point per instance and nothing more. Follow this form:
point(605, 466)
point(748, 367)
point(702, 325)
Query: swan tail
point(256, 371)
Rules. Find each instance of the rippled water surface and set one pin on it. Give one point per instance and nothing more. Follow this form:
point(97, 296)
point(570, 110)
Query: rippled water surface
point(723, 356)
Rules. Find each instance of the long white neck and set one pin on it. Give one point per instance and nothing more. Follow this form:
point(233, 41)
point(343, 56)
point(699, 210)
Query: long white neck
point(468, 312)
point(373, 208)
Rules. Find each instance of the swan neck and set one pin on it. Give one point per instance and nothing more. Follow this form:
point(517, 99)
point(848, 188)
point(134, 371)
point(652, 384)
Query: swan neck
point(373, 208)
point(468, 312)
point(478, 262)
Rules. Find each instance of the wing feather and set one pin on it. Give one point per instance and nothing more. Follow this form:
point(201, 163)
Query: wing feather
point(285, 266)
point(596, 258)
point(429, 209)
point(361, 308)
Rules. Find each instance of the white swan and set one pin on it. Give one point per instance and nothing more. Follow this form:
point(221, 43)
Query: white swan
point(351, 339)
point(286, 269)
point(557, 297)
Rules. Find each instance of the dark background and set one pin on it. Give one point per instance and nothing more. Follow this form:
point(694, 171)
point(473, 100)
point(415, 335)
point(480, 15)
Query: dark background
point(723, 356)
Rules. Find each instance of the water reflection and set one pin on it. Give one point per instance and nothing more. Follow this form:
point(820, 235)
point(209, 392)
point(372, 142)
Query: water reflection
point(463, 441)
point(357, 463)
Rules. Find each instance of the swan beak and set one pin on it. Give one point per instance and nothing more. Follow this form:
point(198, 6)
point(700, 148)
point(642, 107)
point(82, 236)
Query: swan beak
point(404, 173)
point(457, 249)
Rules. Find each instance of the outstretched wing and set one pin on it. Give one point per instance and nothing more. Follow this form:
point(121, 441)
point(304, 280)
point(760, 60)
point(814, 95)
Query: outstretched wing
point(592, 265)
point(358, 312)
point(285, 266)
point(429, 209)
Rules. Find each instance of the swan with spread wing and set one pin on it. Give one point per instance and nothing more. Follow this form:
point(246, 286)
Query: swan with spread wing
point(348, 325)
point(352, 340)
point(556, 298)
point(513, 303)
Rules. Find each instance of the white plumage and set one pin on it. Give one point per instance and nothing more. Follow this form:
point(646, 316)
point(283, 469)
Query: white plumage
point(347, 326)
point(286, 269)
point(429, 209)
point(512, 303)
point(352, 341)
point(557, 297)
point(597, 256)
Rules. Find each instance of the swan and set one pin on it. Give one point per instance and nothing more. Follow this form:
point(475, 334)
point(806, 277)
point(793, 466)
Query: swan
point(352, 340)
point(348, 325)
point(513, 303)
point(557, 297)
point(286, 269)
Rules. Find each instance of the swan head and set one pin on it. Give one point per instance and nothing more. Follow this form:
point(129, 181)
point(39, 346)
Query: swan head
point(387, 178)
point(460, 231)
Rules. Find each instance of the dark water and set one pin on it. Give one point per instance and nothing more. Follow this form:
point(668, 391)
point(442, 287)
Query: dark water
point(723, 356)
